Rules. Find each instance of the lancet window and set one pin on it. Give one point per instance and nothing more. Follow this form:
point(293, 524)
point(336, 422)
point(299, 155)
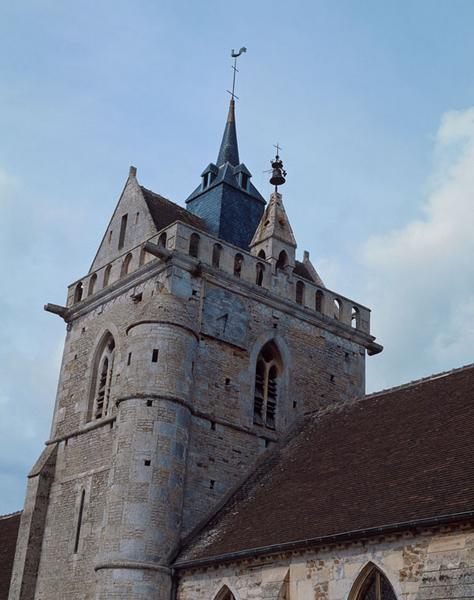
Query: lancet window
point(225, 594)
point(372, 585)
point(267, 374)
point(102, 380)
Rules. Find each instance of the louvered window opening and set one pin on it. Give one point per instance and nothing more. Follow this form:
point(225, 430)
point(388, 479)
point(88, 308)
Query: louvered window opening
point(266, 388)
point(104, 381)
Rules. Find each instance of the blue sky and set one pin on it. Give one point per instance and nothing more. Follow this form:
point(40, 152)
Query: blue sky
point(373, 103)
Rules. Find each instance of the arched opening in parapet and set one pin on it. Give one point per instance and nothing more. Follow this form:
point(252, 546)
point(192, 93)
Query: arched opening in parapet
point(372, 584)
point(355, 317)
point(224, 594)
point(319, 301)
point(338, 309)
point(162, 240)
point(126, 265)
point(102, 377)
point(216, 255)
point(194, 245)
point(106, 280)
point(300, 292)
point(142, 257)
point(268, 372)
point(282, 260)
point(79, 290)
point(238, 262)
point(262, 254)
point(92, 282)
point(259, 270)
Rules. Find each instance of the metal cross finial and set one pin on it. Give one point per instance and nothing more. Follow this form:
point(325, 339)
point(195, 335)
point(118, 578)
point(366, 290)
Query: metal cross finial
point(278, 148)
point(235, 56)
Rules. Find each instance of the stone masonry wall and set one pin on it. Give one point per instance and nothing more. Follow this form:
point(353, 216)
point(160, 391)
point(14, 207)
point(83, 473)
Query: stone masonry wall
point(228, 323)
point(430, 566)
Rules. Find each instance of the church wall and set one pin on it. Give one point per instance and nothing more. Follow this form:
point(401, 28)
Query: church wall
point(429, 566)
point(82, 464)
point(139, 227)
point(319, 369)
point(223, 441)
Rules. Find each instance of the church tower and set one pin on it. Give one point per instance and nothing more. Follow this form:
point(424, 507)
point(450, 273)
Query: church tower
point(186, 357)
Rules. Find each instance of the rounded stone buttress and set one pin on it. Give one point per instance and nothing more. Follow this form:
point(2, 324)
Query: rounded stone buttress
point(145, 493)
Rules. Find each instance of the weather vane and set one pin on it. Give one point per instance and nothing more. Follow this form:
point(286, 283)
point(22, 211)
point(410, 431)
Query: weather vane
point(235, 56)
point(278, 172)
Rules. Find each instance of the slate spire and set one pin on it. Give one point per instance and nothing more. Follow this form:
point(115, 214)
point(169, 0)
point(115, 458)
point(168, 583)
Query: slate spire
point(229, 150)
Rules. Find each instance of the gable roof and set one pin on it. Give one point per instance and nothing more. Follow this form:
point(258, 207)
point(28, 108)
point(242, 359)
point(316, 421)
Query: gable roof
point(9, 525)
point(388, 460)
point(164, 212)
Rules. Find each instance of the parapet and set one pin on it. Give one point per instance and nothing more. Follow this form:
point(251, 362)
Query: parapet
point(204, 251)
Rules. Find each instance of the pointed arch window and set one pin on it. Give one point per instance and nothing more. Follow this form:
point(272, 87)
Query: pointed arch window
point(372, 584)
point(267, 374)
point(102, 378)
point(224, 594)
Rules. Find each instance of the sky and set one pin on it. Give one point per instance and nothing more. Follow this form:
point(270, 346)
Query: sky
point(372, 103)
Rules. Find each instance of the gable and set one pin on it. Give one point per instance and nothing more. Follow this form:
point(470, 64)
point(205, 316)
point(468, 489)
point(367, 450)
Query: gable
point(139, 214)
point(131, 224)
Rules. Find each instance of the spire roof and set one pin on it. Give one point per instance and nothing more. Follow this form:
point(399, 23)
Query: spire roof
point(274, 223)
point(229, 150)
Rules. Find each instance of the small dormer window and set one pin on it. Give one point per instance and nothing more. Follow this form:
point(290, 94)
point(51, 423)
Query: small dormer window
point(244, 181)
point(207, 179)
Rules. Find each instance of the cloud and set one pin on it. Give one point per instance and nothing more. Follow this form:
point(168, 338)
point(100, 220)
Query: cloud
point(422, 275)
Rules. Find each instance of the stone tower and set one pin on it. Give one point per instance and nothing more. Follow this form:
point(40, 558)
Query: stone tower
point(186, 357)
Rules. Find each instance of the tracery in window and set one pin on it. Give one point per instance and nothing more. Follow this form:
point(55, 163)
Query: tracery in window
point(267, 373)
point(102, 378)
point(372, 585)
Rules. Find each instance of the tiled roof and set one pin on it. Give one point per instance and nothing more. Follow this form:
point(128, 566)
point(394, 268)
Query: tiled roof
point(392, 458)
point(9, 525)
point(164, 212)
